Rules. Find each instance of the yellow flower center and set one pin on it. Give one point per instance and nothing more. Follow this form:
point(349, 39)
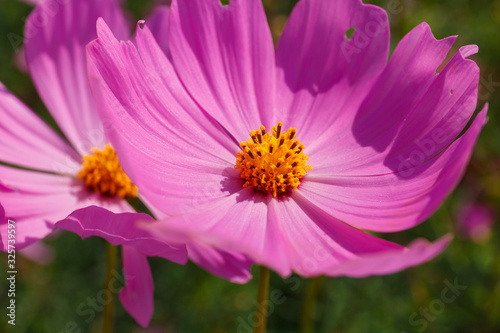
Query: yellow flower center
point(103, 174)
point(272, 161)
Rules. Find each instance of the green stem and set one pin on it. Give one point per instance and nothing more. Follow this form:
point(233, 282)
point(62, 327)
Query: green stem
point(310, 304)
point(262, 301)
point(108, 316)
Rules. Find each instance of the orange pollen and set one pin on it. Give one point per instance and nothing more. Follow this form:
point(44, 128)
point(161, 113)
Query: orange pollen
point(272, 161)
point(103, 174)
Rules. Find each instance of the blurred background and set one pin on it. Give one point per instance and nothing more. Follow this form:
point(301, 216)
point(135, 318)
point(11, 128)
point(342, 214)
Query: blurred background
point(187, 299)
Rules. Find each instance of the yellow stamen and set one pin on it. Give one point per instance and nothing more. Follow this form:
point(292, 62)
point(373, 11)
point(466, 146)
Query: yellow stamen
point(103, 174)
point(272, 161)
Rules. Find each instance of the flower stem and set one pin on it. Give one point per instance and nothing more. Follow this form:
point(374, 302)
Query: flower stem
point(310, 304)
point(260, 321)
point(109, 310)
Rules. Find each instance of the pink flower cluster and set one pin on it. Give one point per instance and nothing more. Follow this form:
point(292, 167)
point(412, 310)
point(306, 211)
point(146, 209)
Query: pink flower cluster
point(205, 117)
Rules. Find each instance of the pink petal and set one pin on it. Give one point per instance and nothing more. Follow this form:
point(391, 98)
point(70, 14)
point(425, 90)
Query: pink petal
point(404, 83)
point(120, 229)
point(410, 114)
point(441, 114)
point(33, 2)
point(158, 23)
point(320, 244)
point(20, 60)
point(39, 252)
point(322, 76)
point(35, 201)
point(231, 266)
point(394, 201)
point(137, 295)
point(290, 234)
point(313, 241)
point(389, 262)
point(3, 220)
point(224, 55)
point(28, 231)
point(237, 223)
point(166, 144)
point(27, 141)
point(56, 57)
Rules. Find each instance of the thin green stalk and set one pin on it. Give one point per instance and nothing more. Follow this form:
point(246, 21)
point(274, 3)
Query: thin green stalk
point(109, 309)
point(262, 301)
point(308, 310)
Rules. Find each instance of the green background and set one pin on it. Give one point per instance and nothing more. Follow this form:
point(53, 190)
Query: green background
point(187, 299)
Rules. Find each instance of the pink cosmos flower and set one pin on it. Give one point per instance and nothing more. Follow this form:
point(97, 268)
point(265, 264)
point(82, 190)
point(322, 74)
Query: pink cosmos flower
point(378, 145)
point(60, 177)
point(56, 58)
point(54, 182)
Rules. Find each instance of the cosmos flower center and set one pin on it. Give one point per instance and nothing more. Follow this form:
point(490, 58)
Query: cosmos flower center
point(103, 174)
point(272, 161)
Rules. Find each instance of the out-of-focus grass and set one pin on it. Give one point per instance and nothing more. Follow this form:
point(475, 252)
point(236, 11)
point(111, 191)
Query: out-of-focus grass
point(187, 299)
